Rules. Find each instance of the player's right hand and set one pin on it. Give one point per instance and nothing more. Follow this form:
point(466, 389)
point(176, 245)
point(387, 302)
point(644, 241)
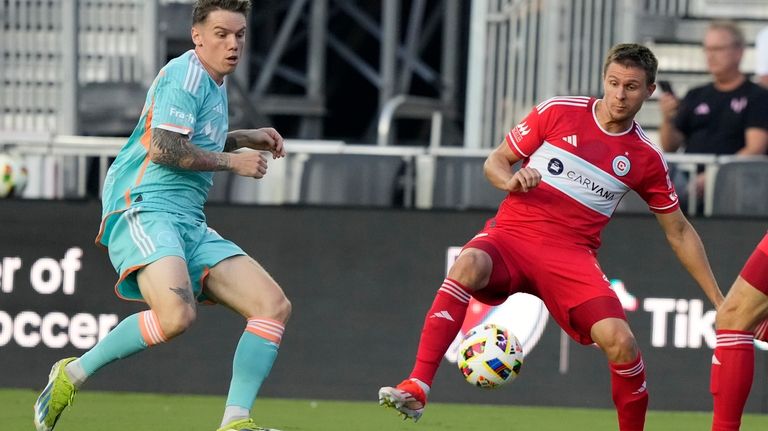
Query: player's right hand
point(523, 180)
point(248, 163)
point(668, 105)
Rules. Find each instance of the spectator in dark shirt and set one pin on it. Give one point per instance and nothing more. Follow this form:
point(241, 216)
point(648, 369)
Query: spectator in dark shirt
point(761, 57)
point(728, 115)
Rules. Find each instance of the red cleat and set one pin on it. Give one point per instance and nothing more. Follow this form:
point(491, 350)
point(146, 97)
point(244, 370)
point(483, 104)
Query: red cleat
point(408, 398)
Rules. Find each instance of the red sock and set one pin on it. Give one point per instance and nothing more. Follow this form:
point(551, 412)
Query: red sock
point(630, 394)
point(441, 325)
point(733, 365)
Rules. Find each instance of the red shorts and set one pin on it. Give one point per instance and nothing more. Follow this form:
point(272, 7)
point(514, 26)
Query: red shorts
point(755, 271)
point(568, 279)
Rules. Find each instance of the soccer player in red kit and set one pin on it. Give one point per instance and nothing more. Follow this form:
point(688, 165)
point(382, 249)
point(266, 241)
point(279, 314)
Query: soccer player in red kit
point(580, 156)
point(736, 324)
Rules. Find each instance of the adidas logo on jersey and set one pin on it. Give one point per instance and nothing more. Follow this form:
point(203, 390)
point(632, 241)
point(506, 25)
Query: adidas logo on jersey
point(442, 315)
point(571, 140)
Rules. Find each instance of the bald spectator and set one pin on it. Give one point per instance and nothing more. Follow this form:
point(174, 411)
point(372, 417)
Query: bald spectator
point(728, 115)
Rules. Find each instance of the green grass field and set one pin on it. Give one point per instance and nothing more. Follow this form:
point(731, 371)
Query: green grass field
point(101, 411)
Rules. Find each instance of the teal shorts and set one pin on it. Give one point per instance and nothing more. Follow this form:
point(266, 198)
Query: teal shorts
point(140, 237)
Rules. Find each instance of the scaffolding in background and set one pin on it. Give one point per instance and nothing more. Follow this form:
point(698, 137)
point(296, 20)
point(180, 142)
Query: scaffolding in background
point(525, 51)
point(71, 66)
point(60, 59)
point(53, 51)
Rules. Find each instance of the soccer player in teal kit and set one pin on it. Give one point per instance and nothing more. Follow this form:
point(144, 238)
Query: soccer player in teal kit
point(155, 231)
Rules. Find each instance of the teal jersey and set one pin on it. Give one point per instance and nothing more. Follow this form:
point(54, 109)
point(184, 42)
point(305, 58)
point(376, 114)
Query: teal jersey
point(184, 99)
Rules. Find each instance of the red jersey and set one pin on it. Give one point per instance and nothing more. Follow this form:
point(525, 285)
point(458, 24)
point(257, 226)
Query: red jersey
point(585, 172)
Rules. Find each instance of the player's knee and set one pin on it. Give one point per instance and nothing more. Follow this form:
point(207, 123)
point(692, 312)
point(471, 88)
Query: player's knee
point(274, 306)
point(472, 269)
point(282, 309)
point(615, 339)
point(178, 320)
point(728, 317)
point(621, 347)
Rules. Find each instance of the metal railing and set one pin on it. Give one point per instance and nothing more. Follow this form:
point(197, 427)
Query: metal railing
point(45, 153)
point(402, 106)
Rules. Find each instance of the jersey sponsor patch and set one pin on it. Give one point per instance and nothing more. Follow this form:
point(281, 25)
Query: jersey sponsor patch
point(516, 135)
point(520, 131)
point(579, 179)
point(179, 114)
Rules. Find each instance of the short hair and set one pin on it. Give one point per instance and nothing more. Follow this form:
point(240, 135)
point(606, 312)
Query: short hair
point(732, 28)
point(633, 55)
point(203, 8)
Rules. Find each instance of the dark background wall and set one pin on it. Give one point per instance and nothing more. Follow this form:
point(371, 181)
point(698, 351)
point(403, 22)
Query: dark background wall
point(360, 281)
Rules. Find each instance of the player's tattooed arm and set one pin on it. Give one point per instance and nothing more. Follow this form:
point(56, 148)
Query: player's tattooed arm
point(174, 150)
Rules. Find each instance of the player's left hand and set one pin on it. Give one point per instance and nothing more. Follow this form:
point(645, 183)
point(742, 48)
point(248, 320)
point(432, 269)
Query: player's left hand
point(266, 139)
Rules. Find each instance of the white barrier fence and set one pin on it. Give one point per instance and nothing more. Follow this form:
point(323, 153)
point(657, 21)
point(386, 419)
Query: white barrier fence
point(59, 166)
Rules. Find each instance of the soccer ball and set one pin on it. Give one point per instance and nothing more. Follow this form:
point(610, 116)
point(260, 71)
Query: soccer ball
point(490, 356)
point(13, 175)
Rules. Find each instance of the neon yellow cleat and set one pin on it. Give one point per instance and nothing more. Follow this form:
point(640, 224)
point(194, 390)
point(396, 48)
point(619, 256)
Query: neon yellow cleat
point(244, 425)
point(57, 395)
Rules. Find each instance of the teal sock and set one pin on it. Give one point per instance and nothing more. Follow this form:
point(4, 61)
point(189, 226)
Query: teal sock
point(121, 342)
point(253, 361)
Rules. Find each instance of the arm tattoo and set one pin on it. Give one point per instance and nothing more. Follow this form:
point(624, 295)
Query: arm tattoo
point(174, 150)
point(184, 294)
